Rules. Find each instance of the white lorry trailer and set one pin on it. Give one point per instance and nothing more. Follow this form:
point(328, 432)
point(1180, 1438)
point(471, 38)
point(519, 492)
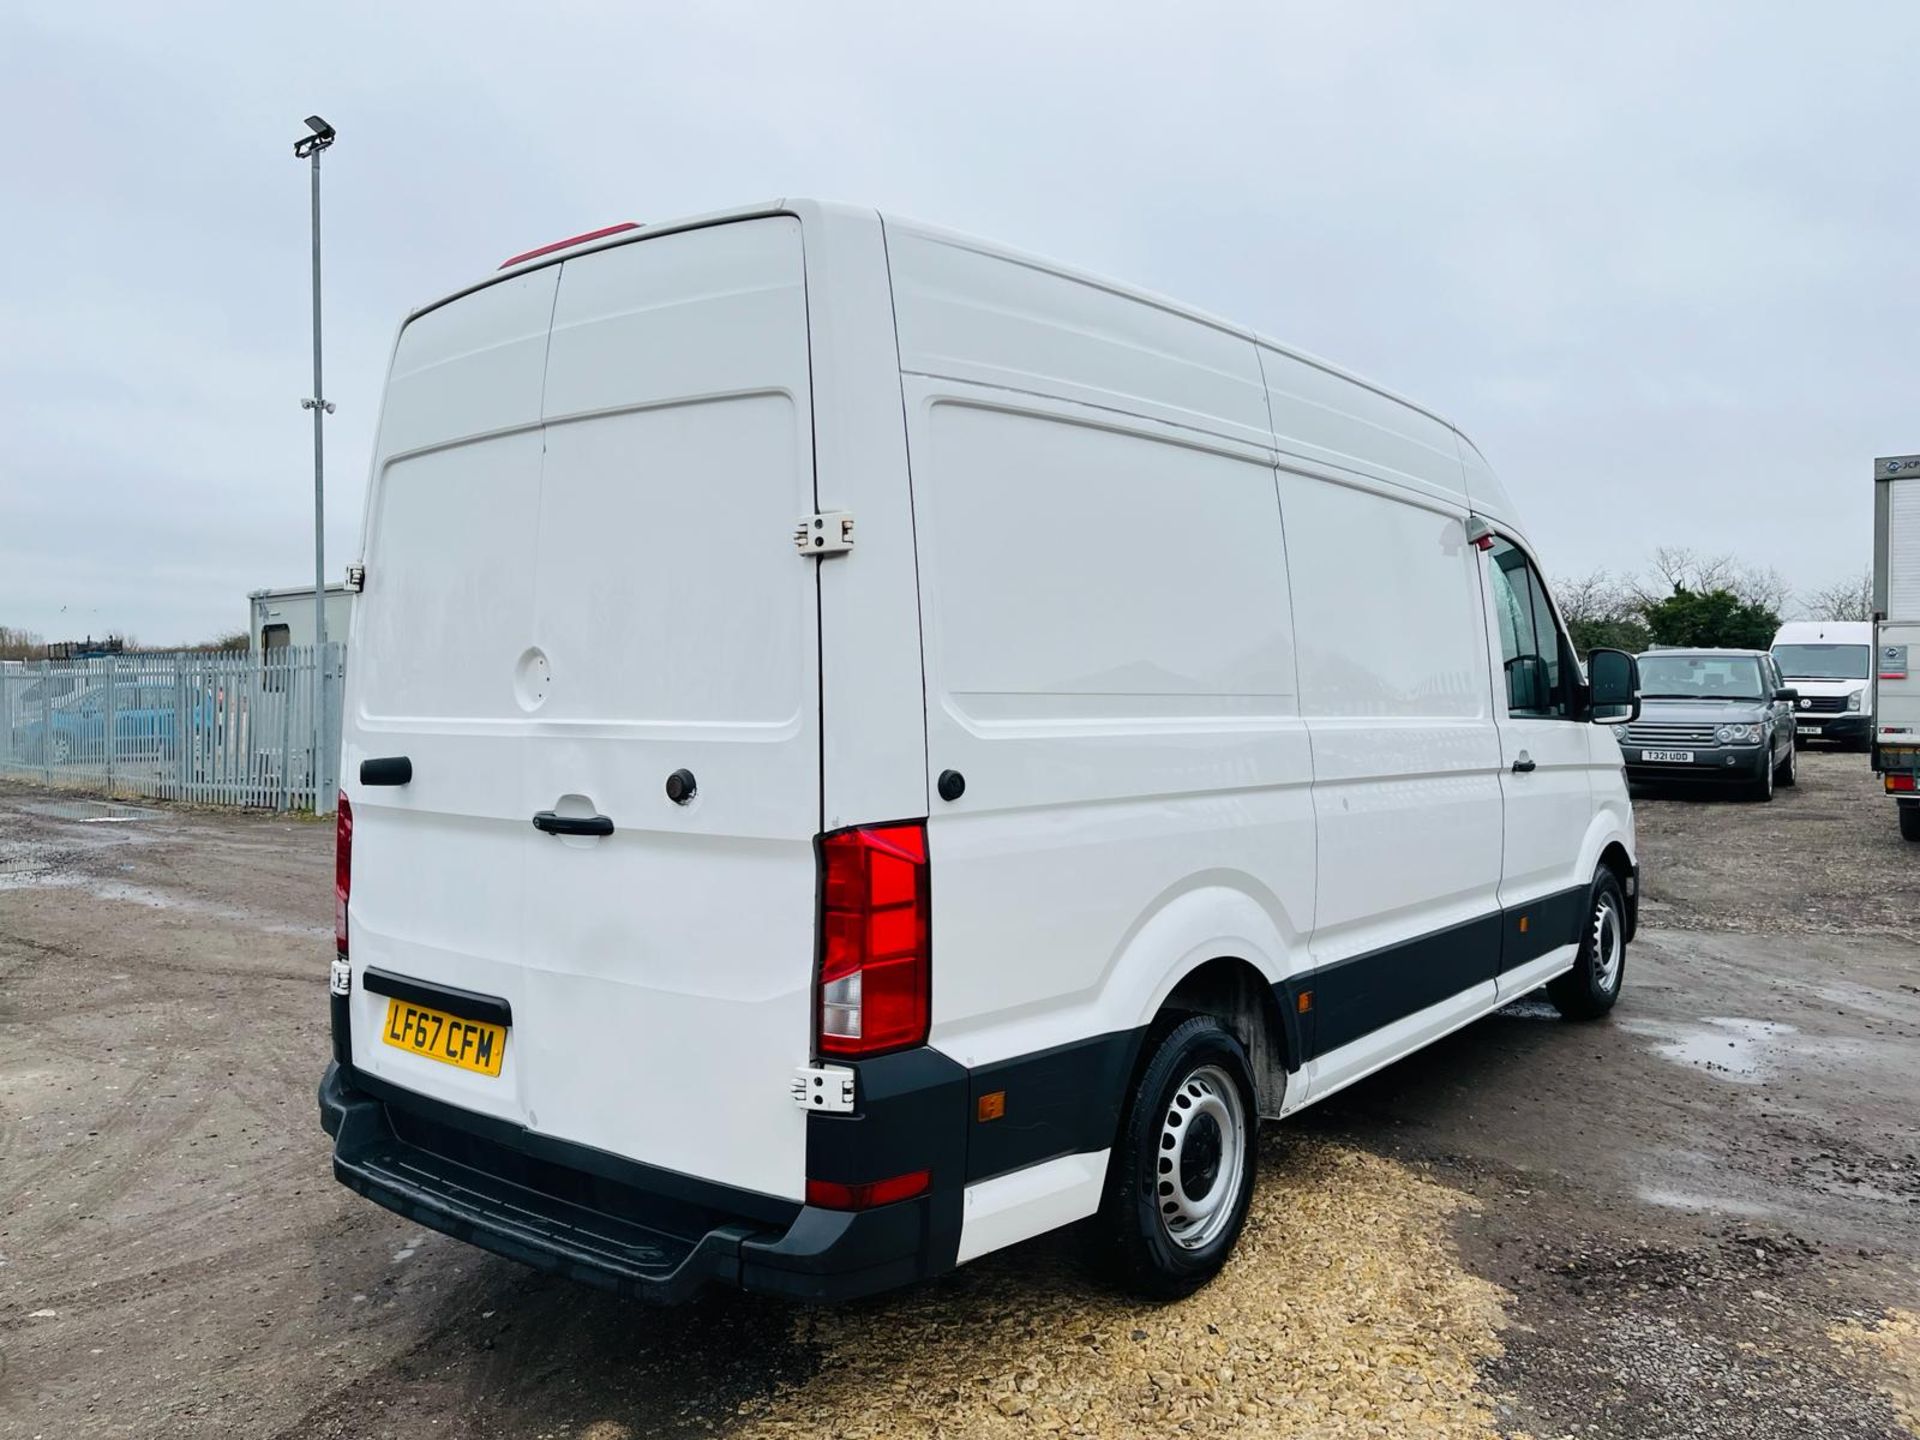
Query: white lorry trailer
point(1896, 634)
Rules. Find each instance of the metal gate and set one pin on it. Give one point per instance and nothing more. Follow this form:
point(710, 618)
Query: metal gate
point(212, 728)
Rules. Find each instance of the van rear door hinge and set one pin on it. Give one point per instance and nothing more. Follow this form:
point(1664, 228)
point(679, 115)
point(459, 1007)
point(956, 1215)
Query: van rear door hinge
point(825, 532)
point(823, 1087)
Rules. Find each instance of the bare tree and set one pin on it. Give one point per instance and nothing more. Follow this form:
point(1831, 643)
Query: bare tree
point(1674, 568)
point(1850, 599)
point(16, 644)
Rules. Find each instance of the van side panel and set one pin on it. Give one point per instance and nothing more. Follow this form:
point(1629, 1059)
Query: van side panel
point(1394, 688)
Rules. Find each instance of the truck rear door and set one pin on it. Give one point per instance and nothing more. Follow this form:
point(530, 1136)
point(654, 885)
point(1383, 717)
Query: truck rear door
point(581, 582)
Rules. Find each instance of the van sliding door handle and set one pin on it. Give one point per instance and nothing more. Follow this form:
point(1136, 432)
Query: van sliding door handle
point(572, 824)
point(1524, 765)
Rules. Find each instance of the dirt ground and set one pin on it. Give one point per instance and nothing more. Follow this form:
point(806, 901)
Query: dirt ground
point(1698, 1218)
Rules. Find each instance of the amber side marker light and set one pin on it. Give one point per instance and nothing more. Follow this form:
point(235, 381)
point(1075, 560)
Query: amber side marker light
point(992, 1106)
point(1303, 1002)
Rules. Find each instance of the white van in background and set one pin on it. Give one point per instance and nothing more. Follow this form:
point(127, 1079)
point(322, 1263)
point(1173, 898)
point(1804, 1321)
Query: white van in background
point(1829, 662)
point(863, 747)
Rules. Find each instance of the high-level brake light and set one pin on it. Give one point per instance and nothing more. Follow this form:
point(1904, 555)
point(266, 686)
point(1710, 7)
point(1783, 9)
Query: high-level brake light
point(875, 951)
point(569, 243)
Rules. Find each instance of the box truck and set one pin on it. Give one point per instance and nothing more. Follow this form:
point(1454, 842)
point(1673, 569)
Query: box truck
point(1896, 633)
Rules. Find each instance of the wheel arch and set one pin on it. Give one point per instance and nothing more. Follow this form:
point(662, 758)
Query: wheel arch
point(1246, 1002)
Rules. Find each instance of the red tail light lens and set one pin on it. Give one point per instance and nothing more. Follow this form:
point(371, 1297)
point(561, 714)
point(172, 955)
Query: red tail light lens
point(569, 243)
point(832, 1195)
point(342, 869)
point(875, 956)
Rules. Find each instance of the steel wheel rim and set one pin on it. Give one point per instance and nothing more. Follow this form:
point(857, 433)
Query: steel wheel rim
point(1201, 1163)
point(1609, 948)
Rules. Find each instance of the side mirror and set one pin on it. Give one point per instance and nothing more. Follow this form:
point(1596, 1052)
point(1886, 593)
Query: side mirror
point(1787, 693)
point(1613, 687)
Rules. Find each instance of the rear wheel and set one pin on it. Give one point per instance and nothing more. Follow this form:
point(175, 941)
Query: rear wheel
point(1910, 820)
point(1588, 991)
point(1181, 1176)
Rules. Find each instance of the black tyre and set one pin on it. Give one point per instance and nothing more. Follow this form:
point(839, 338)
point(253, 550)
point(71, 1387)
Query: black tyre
point(1761, 789)
point(1909, 820)
point(1181, 1175)
point(1588, 991)
point(1787, 772)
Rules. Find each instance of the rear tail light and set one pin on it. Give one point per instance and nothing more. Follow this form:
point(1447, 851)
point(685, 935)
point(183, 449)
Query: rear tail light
point(1900, 782)
point(342, 869)
point(875, 955)
point(832, 1195)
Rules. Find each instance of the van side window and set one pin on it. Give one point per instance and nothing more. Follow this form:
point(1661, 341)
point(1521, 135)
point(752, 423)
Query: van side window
point(1537, 659)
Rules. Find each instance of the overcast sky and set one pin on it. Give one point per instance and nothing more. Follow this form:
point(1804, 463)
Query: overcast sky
point(1659, 261)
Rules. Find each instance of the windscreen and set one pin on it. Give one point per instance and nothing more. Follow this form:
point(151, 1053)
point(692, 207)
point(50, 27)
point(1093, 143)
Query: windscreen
point(1700, 677)
point(1822, 662)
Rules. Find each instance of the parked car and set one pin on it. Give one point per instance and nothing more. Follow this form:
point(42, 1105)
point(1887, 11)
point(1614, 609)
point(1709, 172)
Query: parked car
point(1715, 715)
point(723, 901)
point(1828, 662)
point(73, 727)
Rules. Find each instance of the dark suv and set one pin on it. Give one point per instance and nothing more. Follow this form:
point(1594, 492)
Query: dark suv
point(1721, 715)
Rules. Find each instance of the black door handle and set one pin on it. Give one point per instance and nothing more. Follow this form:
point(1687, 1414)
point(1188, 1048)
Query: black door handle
point(572, 824)
point(386, 770)
point(1523, 766)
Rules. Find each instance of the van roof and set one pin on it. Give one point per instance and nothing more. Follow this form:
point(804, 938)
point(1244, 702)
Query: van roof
point(1832, 632)
point(609, 237)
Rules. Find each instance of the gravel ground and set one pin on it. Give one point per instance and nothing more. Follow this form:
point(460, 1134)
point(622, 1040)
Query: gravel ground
point(1700, 1218)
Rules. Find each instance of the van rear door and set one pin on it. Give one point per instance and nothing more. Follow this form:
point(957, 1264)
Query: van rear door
point(574, 593)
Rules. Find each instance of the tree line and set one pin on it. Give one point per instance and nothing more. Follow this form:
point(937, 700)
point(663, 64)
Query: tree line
point(1687, 598)
point(20, 644)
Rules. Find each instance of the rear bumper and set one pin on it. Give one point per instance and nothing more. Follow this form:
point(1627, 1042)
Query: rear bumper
point(596, 1218)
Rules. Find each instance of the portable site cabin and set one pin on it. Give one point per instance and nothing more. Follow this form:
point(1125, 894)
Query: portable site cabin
point(277, 618)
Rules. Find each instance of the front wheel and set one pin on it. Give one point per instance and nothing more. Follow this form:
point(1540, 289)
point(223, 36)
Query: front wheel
point(1588, 991)
point(1181, 1175)
point(1788, 770)
point(1761, 788)
point(1909, 820)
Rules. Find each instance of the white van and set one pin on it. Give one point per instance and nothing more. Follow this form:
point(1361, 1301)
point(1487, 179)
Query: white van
point(1829, 663)
point(862, 748)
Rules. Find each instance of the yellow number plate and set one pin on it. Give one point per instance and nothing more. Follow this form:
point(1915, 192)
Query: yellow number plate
point(470, 1044)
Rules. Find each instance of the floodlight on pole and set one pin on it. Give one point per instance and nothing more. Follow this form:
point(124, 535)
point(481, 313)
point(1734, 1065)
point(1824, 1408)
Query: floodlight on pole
point(308, 147)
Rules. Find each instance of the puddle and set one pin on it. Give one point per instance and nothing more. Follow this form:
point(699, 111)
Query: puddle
point(1728, 1049)
point(91, 812)
point(1714, 1204)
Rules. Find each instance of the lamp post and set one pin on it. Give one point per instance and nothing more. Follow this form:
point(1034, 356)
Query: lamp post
point(308, 147)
